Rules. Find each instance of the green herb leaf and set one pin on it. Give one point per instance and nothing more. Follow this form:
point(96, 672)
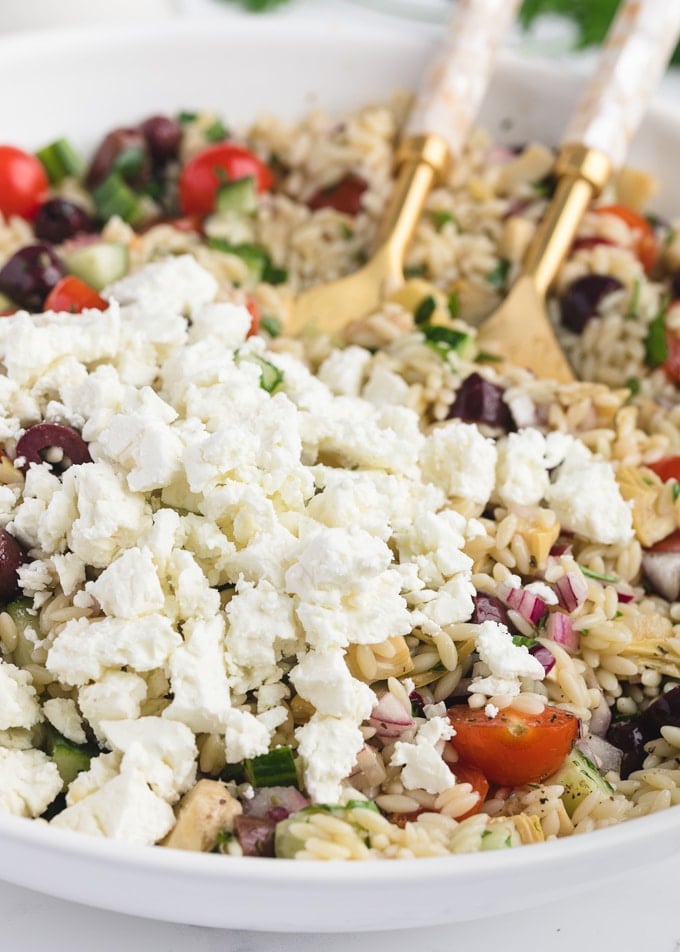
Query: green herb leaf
point(634, 385)
point(271, 324)
point(453, 304)
point(675, 490)
point(425, 310)
point(498, 276)
point(656, 344)
point(611, 579)
point(523, 641)
point(217, 132)
point(441, 218)
point(444, 339)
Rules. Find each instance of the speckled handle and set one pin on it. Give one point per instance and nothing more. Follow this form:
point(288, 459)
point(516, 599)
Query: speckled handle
point(455, 84)
point(636, 53)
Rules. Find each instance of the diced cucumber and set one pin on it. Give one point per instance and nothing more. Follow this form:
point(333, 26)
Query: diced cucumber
point(286, 844)
point(59, 160)
point(500, 834)
point(237, 196)
point(254, 256)
point(23, 616)
point(115, 197)
point(271, 377)
point(579, 777)
point(273, 769)
point(70, 758)
point(98, 264)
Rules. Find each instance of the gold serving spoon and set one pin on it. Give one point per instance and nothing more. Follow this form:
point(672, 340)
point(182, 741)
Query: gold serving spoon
point(635, 55)
point(435, 133)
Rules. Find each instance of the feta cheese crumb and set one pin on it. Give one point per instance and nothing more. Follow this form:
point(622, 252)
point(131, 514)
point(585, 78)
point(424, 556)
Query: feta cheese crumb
point(422, 765)
point(18, 700)
point(63, 715)
point(459, 459)
point(29, 782)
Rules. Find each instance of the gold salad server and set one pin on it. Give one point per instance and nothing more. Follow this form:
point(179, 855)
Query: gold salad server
point(635, 55)
point(435, 132)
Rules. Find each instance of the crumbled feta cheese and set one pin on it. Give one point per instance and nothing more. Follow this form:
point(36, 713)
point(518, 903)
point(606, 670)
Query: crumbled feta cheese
point(163, 751)
point(84, 648)
point(586, 499)
point(129, 586)
point(18, 701)
point(346, 590)
point(459, 459)
point(422, 765)
point(124, 809)
point(228, 323)
point(343, 370)
point(245, 736)
point(323, 679)
point(177, 285)
point(434, 542)
point(70, 570)
point(193, 595)
point(29, 782)
point(506, 662)
point(521, 474)
point(328, 748)
point(198, 679)
point(543, 591)
point(116, 695)
point(63, 715)
point(385, 388)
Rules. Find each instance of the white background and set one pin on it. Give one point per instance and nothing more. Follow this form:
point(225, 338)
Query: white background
point(640, 910)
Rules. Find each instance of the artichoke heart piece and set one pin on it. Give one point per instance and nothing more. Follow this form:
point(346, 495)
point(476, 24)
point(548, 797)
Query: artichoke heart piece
point(653, 509)
point(653, 644)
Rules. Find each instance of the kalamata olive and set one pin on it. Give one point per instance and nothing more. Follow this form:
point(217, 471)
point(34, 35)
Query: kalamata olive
point(480, 401)
point(59, 219)
point(11, 558)
point(52, 443)
point(255, 835)
point(675, 286)
point(125, 151)
point(30, 274)
point(344, 196)
point(580, 301)
point(629, 735)
point(163, 136)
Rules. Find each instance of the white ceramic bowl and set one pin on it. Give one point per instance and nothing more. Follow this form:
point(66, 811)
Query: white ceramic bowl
point(81, 84)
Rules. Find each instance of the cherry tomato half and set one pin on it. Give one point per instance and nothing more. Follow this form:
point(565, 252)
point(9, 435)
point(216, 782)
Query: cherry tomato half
point(253, 309)
point(670, 544)
point(73, 295)
point(23, 182)
point(666, 468)
point(645, 245)
point(465, 773)
point(513, 748)
point(671, 365)
point(204, 173)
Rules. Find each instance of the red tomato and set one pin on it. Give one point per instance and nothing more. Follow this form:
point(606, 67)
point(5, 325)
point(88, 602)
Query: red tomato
point(464, 773)
point(23, 183)
point(513, 748)
point(73, 295)
point(202, 176)
point(344, 196)
point(670, 544)
point(666, 468)
point(646, 246)
point(254, 310)
point(671, 365)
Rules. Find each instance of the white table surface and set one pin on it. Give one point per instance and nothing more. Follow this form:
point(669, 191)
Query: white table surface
point(637, 911)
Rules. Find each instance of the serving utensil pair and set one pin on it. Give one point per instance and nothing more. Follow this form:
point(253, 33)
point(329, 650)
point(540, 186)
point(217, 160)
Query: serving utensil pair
point(596, 139)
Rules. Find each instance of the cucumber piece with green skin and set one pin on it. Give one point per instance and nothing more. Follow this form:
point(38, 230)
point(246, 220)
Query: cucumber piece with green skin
point(70, 758)
point(286, 844)
point(500, 835)
point(98, 264)
point(22, 614)
point(238, 195)
point(580, 777)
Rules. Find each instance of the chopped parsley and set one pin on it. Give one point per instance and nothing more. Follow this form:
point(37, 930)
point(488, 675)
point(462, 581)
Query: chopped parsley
point(656, 342)
point(216, 132)
point(425, 310)
point(634, 385)
point(498, 276)
point(441, 218)
point(523, 641)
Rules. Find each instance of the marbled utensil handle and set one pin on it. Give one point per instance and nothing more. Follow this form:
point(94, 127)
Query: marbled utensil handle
point(635, 55)
point(454, 86)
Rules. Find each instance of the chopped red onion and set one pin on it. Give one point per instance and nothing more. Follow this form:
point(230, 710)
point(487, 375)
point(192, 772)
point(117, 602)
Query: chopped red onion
point(531, 607)
point(572, 590)
point(545, 656)
point(275, 803)
point(256, 835)
point(523, 409)
point(624, 593)
point(662, 570)
point(389, 717)
point(604, 755)
point(559, 629)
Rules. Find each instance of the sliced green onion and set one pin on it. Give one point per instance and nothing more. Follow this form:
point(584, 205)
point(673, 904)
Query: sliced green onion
point(274, 769)
point(60, 160)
